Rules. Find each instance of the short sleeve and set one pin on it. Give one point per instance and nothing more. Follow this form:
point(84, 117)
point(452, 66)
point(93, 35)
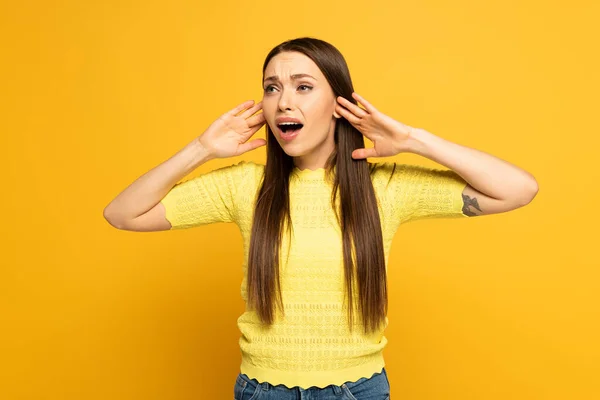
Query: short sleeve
point(205, 199)
point(415, 192)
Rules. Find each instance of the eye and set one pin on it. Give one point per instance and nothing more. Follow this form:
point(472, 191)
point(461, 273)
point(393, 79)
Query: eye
point(301, 86)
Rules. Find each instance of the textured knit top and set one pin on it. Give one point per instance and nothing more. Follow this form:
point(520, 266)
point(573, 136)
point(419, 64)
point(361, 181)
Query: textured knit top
point(311, 345)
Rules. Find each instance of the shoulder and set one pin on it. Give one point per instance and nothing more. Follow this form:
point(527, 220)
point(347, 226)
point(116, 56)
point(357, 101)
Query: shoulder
point(250, 169)
point(246, 178)
point(412, 179)
point(391, 169)
point(385, 170)
point(242, 171)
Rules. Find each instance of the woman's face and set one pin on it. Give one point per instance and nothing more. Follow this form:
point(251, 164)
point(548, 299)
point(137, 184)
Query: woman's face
point(295, 87)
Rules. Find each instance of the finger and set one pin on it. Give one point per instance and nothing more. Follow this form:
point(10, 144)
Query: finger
point(364, 153)
point(239, 108)
point(252, 110)
point(251, 145)
point(368, 106)
point(253, 130)
point(256, 119)
point(353, 119)
point(352, 107)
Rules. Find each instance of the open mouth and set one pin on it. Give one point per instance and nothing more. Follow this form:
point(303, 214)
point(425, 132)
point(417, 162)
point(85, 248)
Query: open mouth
point(289, 128)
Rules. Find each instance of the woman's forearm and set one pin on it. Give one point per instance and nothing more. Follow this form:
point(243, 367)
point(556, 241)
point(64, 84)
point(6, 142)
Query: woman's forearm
point(149, 189)
point(488, 174)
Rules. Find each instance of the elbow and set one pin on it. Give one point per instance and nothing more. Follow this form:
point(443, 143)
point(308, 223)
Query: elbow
point(529, 192)
point(110, 218)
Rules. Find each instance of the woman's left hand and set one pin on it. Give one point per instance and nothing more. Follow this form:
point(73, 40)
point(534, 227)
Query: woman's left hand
point(389, 136)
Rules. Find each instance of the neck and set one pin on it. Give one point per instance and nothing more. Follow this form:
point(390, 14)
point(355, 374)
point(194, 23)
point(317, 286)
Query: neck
point(313, 161)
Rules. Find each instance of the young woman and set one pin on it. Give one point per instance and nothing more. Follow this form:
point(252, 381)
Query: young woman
point(317, 219)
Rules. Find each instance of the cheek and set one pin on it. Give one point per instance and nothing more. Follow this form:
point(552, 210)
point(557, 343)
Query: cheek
point(317, 109)
point(323, 111)
point(268, 110)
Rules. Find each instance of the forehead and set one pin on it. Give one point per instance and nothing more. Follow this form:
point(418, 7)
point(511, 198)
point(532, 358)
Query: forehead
point(291, 62)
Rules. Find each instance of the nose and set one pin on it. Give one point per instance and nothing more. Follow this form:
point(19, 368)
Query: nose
point(285, 100)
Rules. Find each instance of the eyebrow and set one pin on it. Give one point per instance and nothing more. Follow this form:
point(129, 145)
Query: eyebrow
point(294, 77)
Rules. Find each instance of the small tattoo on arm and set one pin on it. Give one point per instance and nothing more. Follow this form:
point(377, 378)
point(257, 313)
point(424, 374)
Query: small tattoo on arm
point(468, 201)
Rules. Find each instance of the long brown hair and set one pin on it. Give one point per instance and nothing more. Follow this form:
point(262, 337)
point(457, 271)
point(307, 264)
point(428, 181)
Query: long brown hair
point(358, 215)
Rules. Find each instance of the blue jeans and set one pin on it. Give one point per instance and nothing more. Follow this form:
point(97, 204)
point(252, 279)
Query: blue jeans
point(375, 388)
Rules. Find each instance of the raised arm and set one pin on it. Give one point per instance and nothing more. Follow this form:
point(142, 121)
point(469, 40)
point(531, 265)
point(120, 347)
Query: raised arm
point(139, 206)
point(494, 185)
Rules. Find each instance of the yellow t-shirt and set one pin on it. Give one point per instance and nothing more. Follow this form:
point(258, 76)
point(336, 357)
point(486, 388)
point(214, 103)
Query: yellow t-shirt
point(311, 345)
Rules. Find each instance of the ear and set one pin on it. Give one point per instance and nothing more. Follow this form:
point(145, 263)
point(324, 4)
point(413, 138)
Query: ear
point(335, 113)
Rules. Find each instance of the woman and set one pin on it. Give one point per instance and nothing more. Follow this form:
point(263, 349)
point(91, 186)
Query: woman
point(317, 219)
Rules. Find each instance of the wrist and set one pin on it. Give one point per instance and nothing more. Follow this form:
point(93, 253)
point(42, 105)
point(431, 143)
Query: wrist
point(198, 153)
point(420, 142)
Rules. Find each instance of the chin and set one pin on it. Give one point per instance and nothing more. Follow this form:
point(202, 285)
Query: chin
point(292, 150)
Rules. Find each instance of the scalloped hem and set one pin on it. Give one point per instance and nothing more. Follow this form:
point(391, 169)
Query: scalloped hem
point(318, 379)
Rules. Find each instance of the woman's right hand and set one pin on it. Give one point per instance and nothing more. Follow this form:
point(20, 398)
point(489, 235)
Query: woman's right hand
point(227, 136)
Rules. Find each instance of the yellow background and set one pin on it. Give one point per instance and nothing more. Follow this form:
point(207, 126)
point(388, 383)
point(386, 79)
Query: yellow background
point(96, 93)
